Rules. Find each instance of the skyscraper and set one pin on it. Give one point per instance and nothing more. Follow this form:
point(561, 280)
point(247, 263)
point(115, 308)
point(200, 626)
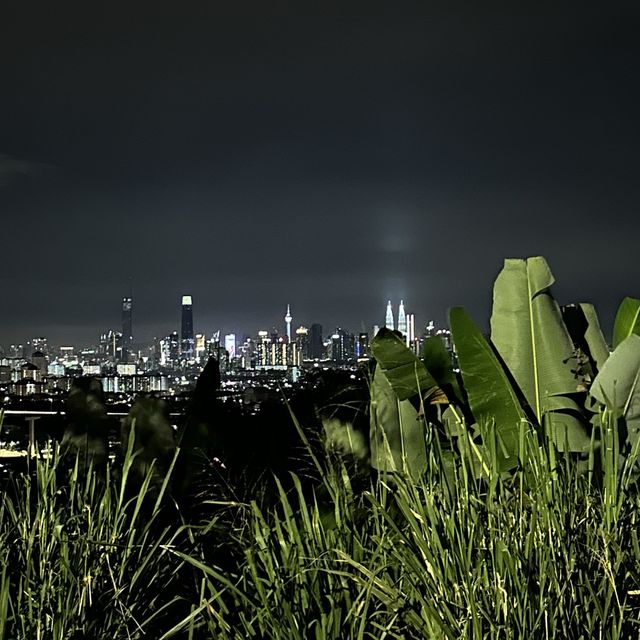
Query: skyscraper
point(411, 329)
point(187, 342)
point(35, 344)
point(288, 319)
point(200, 346)
point(127, 328)
point(343, 346)
point(362, 345)
point(170, 350)
point(230, 345)
point(402, 319)
point(316, 346)
point(302, 339)
point(389, 323)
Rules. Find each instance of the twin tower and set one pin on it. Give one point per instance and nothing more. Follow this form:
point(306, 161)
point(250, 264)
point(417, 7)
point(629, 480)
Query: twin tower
point(402, 318)
point(406, 322)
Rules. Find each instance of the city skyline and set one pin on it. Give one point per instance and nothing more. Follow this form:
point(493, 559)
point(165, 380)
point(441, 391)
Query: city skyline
point(333, 161)
point(286, 328)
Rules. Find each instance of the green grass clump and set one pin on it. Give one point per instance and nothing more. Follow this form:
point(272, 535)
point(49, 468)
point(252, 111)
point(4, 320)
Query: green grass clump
point(549, 550)
point(84, 558)
point(544, 552)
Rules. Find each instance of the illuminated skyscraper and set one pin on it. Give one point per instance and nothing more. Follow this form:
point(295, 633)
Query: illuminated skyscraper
point(230, 345)
point(127, 328)
point(302, 340)
point(389, 323)
point(187, 342)
point(35, 344)
point(343, 346)
point(111, 345)
point(411, 329)
point(170, 350)
point(362, 345)
point(402, 319)
point(201, 346)
point(288, 319)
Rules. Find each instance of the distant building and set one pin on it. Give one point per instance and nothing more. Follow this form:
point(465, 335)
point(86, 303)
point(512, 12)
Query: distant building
point(187, 342)
point(304, 346)
point(40, 360)
point(247, 353)
point(127, 329)
point(273, 350)
point(36, 344)
point(362, 345)
point(31, 371)
point(110, 346)
point(28, 387)
point(389, 322)
point(343, 346)
point(402, 319)
point(411, 330)
point(94, 369)
point(201, 346)
point(67, 355)
point(16, 351)
point(287, 319)
point(230, 345)
point(213, 345)
point(55, 369)
point(126, 369)
point(316, 345)
point(5, 373)
point(430, 329)
point(170, 350)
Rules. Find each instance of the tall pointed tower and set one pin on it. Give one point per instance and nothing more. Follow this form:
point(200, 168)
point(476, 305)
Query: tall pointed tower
point(402, 319)
point(288, 319)
point(389, 319)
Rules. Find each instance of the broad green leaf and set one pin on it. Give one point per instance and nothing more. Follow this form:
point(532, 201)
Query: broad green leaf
point(627, 320)
point(404, 371)
point(595, 339)
point(490, 393)
point(583, 326)
point(564, 424)
point(437, 360)
point(530, 336)
point(397, 436)
point(618, 384)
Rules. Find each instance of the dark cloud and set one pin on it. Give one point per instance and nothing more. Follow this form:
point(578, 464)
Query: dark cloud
point(12, 168)
point(330, 161)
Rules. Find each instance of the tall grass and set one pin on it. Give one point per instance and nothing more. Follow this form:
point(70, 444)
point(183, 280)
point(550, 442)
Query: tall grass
point(549, 551)
point(545, 552)
point(84, 557)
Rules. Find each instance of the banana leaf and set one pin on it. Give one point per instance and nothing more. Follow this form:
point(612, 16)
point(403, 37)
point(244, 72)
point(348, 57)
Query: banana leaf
point(437, 360)
point(598, 346)
point(397, 434)
point(617, 386)
point(627, 320)
point(490, 393)
point(560, 421)
point(406, 374)
point(528, 331)
point(583, 325)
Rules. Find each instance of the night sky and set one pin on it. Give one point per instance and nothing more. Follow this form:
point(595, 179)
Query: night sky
point(330, 161)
